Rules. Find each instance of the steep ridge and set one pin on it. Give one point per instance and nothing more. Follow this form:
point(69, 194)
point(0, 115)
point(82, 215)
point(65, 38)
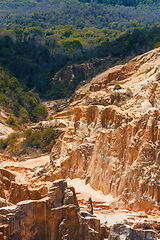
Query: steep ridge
point(115, 148)
point(137, 79)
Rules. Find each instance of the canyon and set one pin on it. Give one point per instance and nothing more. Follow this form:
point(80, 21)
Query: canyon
point(110, 136)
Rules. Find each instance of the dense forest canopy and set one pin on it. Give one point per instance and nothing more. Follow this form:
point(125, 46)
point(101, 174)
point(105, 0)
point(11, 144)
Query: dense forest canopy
point(38, 38)
point(123, 2)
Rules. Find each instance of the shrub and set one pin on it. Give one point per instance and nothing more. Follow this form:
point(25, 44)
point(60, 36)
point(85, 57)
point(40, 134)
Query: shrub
point(43, 140)
point(117, 87)
point(158, 76)
point(2, 143)
point(12, 121)
point(24, 115)
point(49, 118)
point(148, 70)
point(103, 103)
point(11, 139)
point(34, 140)
point(2, 98)
point(115, 96)
point(40, 112)
point(48, 139)
point(13, 83)
point(157, 45)
point(27, 133)
point(129, 92)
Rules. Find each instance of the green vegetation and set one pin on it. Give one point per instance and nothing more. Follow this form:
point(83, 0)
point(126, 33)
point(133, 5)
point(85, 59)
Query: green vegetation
point(148, 70)
point(117, 87)
point(129, 92)
point(103, 103)
point(23, 106)
point(38, 38)
point(32, 65)
point(19, 143)
point(158, 76)
point(115, 97)
point(124, 2)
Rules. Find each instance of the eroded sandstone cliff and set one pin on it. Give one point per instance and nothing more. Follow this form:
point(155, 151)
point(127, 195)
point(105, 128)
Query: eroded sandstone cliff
point(110, 136)
point(116, 147)
point(54, 217)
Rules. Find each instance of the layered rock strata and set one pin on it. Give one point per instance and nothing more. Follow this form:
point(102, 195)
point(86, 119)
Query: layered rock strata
point(54, 217)
point(115, 148)
point(113, 152)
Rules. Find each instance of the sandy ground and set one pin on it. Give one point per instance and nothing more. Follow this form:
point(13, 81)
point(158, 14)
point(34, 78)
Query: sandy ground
point(28, 163)
point(24, 170)
point(85, 191)
point(109, 217)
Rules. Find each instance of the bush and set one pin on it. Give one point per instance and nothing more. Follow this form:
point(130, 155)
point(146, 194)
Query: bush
point(27, 133)
point(103, 103)
point(11, 139)
point(24, 115)
point(12, 121)
point(148, 70)
point(129, 92)
point(2, 143)
point(10, 143)
point(117, 87)
point(41, 140)
point(115, 97)
point(2, 98)
point(34, 140)
point(13, 83)
point(158, 76)
point(40, 112)
point(49, 118)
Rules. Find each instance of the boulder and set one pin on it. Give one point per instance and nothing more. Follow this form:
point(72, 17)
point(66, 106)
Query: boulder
point(121, 231)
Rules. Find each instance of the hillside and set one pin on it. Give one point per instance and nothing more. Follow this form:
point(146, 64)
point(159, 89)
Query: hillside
point(110, 140)
point(80, 120)
point(37, 39)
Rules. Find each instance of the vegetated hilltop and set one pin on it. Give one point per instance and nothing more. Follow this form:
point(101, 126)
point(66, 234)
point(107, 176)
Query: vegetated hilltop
point(33, 65)
point(40, 38)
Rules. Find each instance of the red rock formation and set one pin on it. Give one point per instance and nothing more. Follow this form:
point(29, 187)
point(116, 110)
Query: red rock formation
point(116, 148)
point(54, 217)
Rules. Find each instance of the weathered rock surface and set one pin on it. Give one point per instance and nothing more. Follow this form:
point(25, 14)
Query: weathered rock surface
point(79, 71)
point(111, 139)
point(54, 217)
point(112, 151)
point(116, 148)
point(121, 231)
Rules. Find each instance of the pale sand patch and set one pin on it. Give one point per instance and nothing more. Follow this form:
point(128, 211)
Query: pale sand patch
point(5, 131)
point(84, 191)
point(30, 163)
point(115, 217)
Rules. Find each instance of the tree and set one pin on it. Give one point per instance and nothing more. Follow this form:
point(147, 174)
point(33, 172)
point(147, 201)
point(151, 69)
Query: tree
point(13, 83)
point(40, 112)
